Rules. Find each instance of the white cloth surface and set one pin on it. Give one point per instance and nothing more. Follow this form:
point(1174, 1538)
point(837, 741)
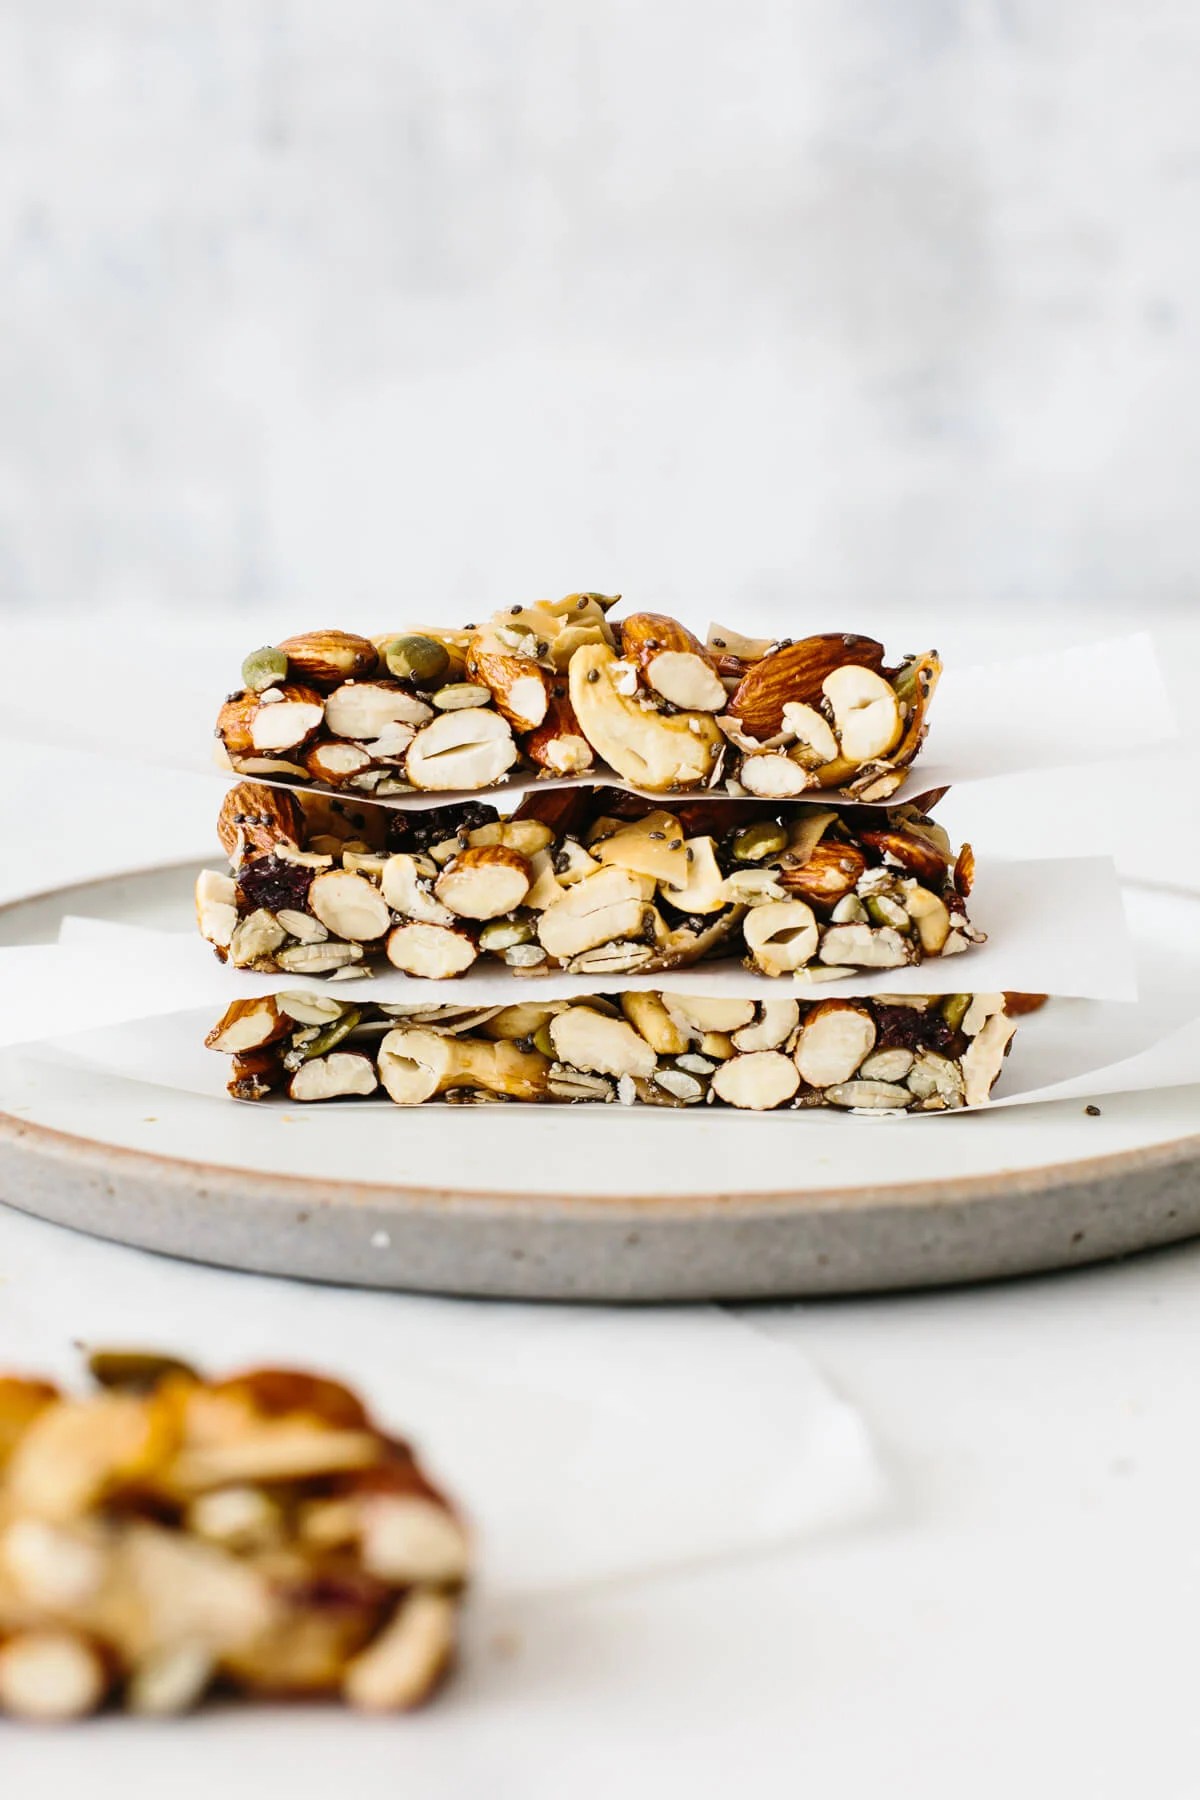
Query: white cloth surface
point(586, 1444)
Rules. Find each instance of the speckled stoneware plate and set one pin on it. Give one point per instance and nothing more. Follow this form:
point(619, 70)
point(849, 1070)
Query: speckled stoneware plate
point(582, 1203)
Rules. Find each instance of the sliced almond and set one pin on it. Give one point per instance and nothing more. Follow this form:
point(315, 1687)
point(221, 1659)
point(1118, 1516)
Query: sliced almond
point(588, 1039)
point(341, 1074)
point(795, 673)
point(293, 720)
point(365, 709)
point(216, 907)
point(336, 763)
point(248, 1025)
point(468, 749)
point(672, 661)
point(50, 1674)
point(699, 1016)
point(484, 882)
point(781, 936)
point(520, 689)
point(836, 1039)
point(350, 906)
point(408, 892)
point(773, 775)
point(758, 1082)
point(437, 952)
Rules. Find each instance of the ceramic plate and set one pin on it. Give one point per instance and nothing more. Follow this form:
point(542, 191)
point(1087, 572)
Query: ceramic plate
point(583, 1203)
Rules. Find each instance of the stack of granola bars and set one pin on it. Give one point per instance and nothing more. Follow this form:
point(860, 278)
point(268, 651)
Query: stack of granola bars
point(655, 804)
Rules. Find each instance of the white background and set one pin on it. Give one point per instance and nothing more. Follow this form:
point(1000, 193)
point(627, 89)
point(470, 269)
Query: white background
point(408, 306)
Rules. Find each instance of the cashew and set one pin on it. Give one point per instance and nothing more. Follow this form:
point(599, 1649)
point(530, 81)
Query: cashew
point(415, 1065)
point(865, 711)
point(812, 731)
point(984, 1057)
point(779, 1020)
point(647, 1014)
point(652, 750)
point(408, 894)
point(609, 904)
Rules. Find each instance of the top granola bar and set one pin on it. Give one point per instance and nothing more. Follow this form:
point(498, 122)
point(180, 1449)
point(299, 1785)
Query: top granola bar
point(562, 689)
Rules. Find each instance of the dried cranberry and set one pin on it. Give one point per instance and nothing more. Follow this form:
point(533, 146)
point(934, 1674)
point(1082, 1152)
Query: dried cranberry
point(275, 883)
point(416, 831)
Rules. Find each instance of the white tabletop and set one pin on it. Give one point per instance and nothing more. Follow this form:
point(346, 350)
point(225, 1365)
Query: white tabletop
point(1016, 1617)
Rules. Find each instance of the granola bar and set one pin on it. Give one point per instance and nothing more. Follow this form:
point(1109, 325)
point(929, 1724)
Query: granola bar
point(588, 880)
point(887, 1053)
point(166, 1536)
point(563, 689)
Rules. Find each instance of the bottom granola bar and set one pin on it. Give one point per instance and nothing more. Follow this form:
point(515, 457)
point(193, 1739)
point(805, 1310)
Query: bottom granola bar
point(166, 1536)
point(888, 1053)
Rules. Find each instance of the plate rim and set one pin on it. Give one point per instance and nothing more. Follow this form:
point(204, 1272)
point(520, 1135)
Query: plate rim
point(29, 1137)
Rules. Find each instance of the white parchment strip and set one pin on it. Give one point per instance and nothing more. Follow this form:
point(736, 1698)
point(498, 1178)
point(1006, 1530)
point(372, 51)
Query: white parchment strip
point(1056, 927)
point(1072, 1049)
point(1046, 711)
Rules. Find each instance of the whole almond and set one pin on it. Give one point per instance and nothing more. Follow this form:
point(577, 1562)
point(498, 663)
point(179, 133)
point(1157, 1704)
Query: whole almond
point(329, 657)
point(685, 676)
point(829, 874)
point(796, 672)
point(234, 721)
point(254, 820)
point(558, 743)
point(920, 857)
point(518, 685)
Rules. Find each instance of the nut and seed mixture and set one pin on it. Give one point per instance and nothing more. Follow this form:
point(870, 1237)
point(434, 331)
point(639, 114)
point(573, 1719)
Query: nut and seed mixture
point(167, 1536)
point(562, 688)
point(588, 880)
point(889, 1053)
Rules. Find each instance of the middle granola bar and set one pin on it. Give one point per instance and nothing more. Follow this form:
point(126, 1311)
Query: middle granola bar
point(591, 881)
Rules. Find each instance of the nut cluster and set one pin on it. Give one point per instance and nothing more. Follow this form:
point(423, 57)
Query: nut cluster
point(167, 1536)
point(895, 1053)
point(592, 881)
point(562, 688)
